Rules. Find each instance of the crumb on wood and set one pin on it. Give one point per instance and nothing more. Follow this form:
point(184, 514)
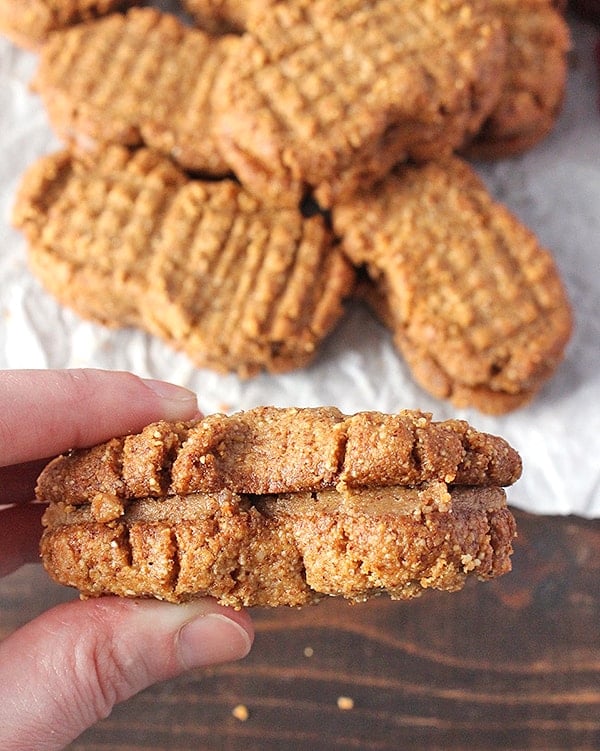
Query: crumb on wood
point(240, 712)
point(345, 703)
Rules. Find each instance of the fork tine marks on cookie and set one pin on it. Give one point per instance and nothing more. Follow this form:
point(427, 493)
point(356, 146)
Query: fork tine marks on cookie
point(284, 550)
point(283, 450)
point(328, 95)
point(90, 222)
point(476, 305)
point(138, 78)
point(281, 506)
point(30, 26)
point(126, 238)
point(534, 75)
point(255, 288)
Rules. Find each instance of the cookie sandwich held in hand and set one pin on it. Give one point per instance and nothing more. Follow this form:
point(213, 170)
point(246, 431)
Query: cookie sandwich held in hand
point(281, 506)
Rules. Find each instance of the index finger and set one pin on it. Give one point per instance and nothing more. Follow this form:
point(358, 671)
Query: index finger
point(46, 412)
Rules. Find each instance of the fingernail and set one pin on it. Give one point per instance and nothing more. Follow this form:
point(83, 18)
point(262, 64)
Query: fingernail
point(212, 638)
point(179, 402)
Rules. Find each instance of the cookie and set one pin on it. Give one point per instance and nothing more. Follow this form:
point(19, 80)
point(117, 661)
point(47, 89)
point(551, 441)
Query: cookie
point(476, 306)
point(89, 223)
point(534, 82)
point(256, 289)
point(328, 95)
point(118, 523)
point(139, 78)
point(29, 22)
point(269, 450)
point(127, 239)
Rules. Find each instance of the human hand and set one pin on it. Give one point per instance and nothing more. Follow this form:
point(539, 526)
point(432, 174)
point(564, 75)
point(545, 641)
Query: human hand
point(66, 669)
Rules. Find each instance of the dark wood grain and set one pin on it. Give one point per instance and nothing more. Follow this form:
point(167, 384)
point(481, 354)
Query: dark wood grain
point(510, 664)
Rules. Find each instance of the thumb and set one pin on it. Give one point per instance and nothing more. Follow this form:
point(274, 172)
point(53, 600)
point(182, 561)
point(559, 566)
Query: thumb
point(67, 669)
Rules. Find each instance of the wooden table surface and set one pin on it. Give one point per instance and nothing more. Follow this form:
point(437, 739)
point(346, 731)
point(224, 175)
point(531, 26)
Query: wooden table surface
point(510, 664)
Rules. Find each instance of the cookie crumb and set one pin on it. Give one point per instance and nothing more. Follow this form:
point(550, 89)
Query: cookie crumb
point(345, 703)
point(308, 651)
point(240, 712)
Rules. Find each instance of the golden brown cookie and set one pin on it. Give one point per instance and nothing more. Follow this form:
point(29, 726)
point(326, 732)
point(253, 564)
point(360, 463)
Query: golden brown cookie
point(125, 238)
point(29, 22)
point(270, 450)
point(534, 79)
point(329, 95)
point(139, 78)
point(351, 522)
point(90, 223)
point(279, 550)
point(476, 306)
point(255, 288)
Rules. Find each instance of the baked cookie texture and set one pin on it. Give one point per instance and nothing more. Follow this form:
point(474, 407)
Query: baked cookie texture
point(532, 94)
point(317, 99)
point(534, 79)
point(125, 238)
point(476, 306)
point(328, 95)
point(282, 450)
point(277, 507)
point(155, 87)
point(29, 22)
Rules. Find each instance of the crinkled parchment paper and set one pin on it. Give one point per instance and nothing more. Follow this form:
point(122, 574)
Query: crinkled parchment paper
point(554, 189)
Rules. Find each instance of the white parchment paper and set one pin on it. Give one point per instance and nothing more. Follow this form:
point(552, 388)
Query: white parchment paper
point(554, 189)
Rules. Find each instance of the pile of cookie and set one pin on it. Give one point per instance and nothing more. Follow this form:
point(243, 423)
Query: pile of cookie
point(225, 185)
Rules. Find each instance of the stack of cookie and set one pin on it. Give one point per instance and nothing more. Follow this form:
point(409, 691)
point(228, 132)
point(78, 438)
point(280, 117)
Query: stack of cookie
point(223, 185)
point(276, 507)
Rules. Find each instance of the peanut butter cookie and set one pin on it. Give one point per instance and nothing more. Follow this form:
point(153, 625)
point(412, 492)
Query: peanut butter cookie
point(534, 79)
point(296, 505)
point(126, 238)
point(29, 22)
point(330, 95)
point(138, 78)
point(476, 305)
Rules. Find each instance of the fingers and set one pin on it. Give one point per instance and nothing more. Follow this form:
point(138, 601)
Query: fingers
point(20, 531)
point(65, 670)
point(46, 412)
